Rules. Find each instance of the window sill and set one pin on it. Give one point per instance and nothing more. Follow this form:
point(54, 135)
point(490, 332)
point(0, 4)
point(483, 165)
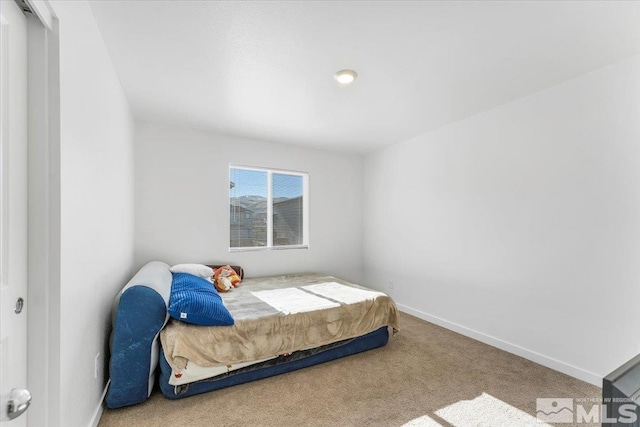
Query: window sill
point(265, 248)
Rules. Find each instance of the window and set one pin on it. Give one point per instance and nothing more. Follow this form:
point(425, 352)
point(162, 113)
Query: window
point(268, 208)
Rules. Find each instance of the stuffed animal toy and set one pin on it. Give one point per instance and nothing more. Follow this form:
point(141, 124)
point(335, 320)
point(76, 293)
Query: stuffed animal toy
point(225, 279)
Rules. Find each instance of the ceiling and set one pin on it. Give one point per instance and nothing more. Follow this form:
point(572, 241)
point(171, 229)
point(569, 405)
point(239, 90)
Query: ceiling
point(264, 70)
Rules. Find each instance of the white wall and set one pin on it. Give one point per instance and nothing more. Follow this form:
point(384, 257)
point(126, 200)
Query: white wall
point(182, 202)
point(520, 226)
point(96, 207)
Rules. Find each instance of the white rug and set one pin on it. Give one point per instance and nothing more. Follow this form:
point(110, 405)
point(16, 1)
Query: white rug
point(423, 421)
point(483, 411)
point(487, 411)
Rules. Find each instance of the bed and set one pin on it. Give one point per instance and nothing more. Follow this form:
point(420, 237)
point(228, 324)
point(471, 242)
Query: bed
point(280, 324)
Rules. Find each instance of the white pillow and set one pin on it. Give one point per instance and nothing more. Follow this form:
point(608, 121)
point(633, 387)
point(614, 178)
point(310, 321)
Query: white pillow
point(199, 270)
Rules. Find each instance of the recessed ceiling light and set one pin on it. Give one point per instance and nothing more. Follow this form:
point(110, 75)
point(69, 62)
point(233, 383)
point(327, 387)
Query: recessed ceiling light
point(345, 77)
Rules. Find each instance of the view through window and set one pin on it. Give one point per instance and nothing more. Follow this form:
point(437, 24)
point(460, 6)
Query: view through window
point(267, 208)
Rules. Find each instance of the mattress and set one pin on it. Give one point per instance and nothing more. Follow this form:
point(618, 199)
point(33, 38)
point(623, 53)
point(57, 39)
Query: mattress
point(282, 323)
point(276, 316)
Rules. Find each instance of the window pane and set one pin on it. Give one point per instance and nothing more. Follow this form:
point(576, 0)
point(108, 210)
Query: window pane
point(287, 209)
point(248, 208)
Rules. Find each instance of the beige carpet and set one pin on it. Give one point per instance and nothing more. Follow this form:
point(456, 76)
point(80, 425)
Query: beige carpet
point(425, 376)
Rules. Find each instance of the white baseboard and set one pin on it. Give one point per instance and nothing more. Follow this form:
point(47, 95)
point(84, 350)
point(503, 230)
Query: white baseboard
point(98, 412)
point(541, 359)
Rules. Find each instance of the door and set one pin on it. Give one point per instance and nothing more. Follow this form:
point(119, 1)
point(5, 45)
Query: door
point(13, 215)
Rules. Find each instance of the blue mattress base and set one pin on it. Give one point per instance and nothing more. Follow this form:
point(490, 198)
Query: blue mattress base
point(278, 366)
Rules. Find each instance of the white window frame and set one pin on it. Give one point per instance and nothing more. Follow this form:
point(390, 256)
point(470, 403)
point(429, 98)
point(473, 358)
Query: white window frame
point(305, 209)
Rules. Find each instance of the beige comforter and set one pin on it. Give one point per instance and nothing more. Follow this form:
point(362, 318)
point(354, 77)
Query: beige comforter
point(268, 325)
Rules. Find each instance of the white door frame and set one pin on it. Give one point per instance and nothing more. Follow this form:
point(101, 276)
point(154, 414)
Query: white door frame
point(13, 221)
point(43, 295)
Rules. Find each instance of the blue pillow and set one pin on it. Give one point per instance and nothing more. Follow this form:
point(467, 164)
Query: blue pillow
point(195, 300)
